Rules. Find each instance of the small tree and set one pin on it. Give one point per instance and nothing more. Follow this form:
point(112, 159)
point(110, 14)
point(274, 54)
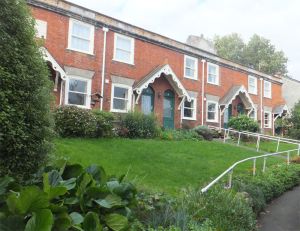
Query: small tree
point(294, 130)
point(25, 122)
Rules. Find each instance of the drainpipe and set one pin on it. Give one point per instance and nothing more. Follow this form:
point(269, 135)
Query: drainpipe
point(261, 104)
point(105, 30)
point(202, 92)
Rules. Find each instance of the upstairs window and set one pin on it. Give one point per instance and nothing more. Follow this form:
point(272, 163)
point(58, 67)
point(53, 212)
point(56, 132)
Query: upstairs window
point(252, 85)
point(81, 36)
point(267, 89)
point(212, 111)
point(78, 92)
point(190, 67)
point(189, 109)
point(124, 49)
point(41, 28)
point(213, 74)
point(121, 98)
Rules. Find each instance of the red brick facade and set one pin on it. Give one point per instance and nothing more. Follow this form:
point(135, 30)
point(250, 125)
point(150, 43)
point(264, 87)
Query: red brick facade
point(148, 54)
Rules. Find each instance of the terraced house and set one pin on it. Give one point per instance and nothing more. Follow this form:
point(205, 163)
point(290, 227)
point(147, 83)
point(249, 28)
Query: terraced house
point(100, 62)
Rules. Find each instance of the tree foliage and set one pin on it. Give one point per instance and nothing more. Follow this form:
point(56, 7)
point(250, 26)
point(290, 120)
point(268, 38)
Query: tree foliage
point(25, 122)
point(294, 130)
point(259, 53)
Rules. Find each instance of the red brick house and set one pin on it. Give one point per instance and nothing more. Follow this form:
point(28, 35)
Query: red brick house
point(94, 55)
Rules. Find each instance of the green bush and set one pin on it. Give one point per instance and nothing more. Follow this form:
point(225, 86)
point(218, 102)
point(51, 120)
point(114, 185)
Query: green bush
point(69, 198)
point(206, 133)
point(72, 121)
point(104, 120)
point(243, 123)
point(180, 134)
point(25, 93)
point(137, 125)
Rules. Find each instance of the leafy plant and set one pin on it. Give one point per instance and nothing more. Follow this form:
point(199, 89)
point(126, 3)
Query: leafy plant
point(104, 123)
point(206, 133)
point(72, 121)
point(180, 134)
point(137, 125)
point(69, 198)
point(243, 123)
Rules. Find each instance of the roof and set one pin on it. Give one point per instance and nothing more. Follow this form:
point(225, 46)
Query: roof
point(48, 57)
point(157, 73)
point(281, 109)
point(96, 18)
point(233, 93)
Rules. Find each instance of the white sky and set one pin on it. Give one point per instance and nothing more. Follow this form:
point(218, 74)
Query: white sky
point(277, 20)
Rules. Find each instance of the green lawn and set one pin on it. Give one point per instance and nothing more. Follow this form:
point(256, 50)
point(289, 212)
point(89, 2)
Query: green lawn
point(158, 165)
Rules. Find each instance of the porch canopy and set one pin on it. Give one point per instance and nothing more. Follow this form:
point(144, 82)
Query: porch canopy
point(281, 110)
point(163, 70)
point(49, 58)
point(235, 91)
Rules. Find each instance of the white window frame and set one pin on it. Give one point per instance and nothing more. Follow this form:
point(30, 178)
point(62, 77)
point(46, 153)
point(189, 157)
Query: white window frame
point(269, 124)
point(195, 77)
point(132, 42)
point(194, 110)
point(41, 28)
point(88, 93)
point(216, 120)
point(254, 92)
point(217, 74)
point(128, 101)
point(91, 38)
point(266, 95)
point(255, 114)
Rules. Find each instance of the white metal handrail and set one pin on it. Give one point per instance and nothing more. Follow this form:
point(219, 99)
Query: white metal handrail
point(259, 136)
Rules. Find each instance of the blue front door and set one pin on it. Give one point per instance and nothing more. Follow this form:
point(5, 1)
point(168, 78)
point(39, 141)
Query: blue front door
point(168, 117)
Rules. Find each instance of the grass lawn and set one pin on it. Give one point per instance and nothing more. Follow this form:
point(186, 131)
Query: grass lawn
point(164, 166)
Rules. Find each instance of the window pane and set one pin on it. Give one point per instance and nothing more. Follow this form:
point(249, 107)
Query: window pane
point(120, 92)
point(77, 99)
point(188, 113)
point(123, 55)
point(147, 106)
point(188, 104)
point(78, 85)
point(211, 115)
point(211, 107)
point(124, 44)
point(80, 44)
point(190, 63)
point(189, 72)
point(81, 31)
point(212, 78)
point(120, 104)
point(212, 69)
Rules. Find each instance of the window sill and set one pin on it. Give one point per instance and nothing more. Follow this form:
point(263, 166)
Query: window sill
point(118, 111)
point(212, 121)
point(216, 84)
point(252, 93)
point(121, 61)
point(80, 106)
point(80, 51)
point(192, 78)
point(267, 97)
point(187, 118)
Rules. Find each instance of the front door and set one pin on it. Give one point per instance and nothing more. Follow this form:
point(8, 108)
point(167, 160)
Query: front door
point(227, 115)
point(168, 117)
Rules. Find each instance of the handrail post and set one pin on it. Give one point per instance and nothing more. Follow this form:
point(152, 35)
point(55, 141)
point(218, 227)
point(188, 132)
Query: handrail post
point(224, 136)
point(288, 157)
point(257, 143)
point(254, 167)
point(239, 139)
point(298, 149)
point(264, 165)
point(230, 179)
point(278, 142)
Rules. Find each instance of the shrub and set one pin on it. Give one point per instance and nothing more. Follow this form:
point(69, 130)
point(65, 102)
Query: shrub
point(243, 123)
point(206, 133)
point(104, 121)
point(137, 125)
point(70, 198)
point(72, 121)
point(25, 93)
point(180, 135)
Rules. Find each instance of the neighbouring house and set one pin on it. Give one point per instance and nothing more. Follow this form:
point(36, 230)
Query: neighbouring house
point(291, 91)
point(100, 62)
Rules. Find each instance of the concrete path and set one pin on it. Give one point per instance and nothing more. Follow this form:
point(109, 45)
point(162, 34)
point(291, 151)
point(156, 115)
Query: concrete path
point(283, 214)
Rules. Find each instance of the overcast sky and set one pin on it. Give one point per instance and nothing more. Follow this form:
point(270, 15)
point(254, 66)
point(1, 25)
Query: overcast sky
point(277, 20)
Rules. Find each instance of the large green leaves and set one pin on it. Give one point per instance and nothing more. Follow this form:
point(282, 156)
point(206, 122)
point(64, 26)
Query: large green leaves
point(41, 220)
point(4, 182)
point(116, 221)
point(15, 223)
point(91, 222)
point(30, 199)
point(110, 201)
point(97, 173)
point(51, 181)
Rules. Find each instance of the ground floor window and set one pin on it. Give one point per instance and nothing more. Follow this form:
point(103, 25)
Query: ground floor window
point(189, 109)
point(267, 119)
point(212, 111)
point(147, 101)
point(120, 98)
point(78, 91)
